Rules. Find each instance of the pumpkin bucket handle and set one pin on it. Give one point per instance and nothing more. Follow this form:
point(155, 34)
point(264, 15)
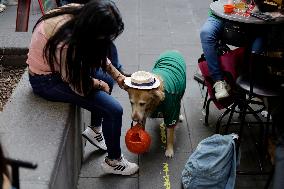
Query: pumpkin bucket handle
point(137, 124)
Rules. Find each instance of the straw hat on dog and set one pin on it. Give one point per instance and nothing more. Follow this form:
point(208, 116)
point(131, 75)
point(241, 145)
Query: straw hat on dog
point(142, 80)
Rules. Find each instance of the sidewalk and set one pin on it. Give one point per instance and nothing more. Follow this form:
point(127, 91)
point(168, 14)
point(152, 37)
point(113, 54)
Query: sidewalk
point(151, 27)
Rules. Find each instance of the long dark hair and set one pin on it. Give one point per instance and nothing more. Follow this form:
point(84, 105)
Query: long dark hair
point(88, 35)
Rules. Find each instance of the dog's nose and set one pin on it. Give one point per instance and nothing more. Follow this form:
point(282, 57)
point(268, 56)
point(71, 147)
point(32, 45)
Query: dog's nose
point(134, 120)
point(135, 117)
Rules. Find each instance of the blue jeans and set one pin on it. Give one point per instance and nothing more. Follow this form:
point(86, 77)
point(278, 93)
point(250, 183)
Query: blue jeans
point(104, 108)
point(210, 34)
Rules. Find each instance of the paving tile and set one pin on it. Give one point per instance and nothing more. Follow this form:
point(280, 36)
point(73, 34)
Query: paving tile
point(107, 182)
point(154, 43)
point(147, 61)
point(191, 53)
point(157, 171)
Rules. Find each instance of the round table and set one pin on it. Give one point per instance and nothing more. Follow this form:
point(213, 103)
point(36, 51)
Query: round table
point(218, 10)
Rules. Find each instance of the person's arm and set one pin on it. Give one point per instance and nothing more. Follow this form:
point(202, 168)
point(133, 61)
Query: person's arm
point(115, 74)
point(6, 182)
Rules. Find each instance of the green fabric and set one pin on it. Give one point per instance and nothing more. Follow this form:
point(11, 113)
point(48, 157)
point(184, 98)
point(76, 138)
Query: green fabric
point(49, 5)
point(210, 12)
point(171, 67)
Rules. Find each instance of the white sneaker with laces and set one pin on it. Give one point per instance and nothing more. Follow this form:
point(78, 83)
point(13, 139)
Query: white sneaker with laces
point(2, 7)
point(95, 137)
point(221, 89)
point(119, 167)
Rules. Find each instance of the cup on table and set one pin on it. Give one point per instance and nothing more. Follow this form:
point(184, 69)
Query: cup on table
point(228, 8)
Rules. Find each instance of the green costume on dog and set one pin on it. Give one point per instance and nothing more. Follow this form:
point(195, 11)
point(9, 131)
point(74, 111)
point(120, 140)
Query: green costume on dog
point(171, 67)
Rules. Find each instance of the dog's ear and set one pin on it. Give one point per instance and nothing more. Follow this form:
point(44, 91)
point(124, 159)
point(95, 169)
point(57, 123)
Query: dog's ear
point(159, 94)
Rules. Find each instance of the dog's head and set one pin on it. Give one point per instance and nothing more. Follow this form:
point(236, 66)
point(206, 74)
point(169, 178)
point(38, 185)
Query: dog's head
point(144, 102)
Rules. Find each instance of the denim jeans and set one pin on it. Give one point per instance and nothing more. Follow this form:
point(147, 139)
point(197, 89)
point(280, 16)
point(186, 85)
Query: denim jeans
point(210, 34)
point(104, 108)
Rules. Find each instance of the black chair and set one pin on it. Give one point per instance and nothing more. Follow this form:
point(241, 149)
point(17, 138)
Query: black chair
point(15, 166)
point(259, 82)
point(244, 96)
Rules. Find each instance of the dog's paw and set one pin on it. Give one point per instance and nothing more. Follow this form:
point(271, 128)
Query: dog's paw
point(169, 153)
point(181, 118)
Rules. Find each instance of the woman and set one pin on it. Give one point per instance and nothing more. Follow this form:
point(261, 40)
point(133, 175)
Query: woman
point(72, 59)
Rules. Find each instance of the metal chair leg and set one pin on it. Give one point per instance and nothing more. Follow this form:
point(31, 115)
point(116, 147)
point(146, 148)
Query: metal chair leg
point(207, 111)
point(230, 117)
point(205, 100)
point(218, 124)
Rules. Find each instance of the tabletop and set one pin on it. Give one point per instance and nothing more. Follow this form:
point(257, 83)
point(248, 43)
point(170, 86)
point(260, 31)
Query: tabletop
point(218, 10)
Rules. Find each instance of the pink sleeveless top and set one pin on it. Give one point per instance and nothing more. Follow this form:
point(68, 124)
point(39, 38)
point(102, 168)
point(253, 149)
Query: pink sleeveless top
point(36, 61)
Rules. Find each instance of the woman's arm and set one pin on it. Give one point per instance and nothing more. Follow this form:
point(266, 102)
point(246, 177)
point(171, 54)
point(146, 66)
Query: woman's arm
point(115, 74)
point(6, 182)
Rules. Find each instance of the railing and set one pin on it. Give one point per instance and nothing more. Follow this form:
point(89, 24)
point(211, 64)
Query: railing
point(15, 166)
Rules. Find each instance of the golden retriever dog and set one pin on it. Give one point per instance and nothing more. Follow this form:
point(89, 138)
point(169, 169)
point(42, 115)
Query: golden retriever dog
point(159, 93)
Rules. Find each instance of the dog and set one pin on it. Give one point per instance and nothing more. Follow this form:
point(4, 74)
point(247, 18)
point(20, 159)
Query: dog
point(159, 94)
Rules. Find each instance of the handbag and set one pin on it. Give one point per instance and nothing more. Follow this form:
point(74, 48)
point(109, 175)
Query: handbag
point(231, 63)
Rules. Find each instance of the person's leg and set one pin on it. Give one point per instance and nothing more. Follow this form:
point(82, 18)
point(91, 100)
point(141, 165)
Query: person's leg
point(258, 45)
point(210, 35)
point(54, 89)
point(96, 119)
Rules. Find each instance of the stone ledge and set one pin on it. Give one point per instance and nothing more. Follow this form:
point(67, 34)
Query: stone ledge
point(47, 133)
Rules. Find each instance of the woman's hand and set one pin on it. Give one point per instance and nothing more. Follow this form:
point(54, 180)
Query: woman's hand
point(101, 85)
point(120, 81)
point(104, 87)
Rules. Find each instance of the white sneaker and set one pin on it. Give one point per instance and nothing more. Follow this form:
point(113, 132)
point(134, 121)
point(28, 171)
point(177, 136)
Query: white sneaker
point(120, 167)
point(95, 137)
point(221, 89)
point(2, 7)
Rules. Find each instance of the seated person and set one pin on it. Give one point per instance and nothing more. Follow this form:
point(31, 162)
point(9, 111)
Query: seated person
point(210, 34)
point(72, 59)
